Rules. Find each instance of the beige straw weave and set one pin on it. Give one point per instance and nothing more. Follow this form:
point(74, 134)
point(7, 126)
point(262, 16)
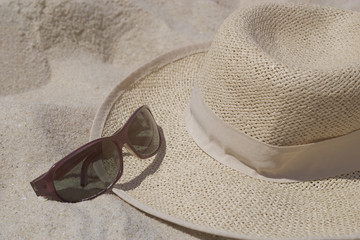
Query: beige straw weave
point(184, 183)
point(284, 70)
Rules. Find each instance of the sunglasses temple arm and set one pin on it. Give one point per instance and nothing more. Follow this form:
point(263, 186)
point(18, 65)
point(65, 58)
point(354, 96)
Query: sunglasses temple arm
point(84, 169)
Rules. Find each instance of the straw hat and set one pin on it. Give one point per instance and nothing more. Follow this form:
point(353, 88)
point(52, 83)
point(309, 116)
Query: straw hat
point(261, 127)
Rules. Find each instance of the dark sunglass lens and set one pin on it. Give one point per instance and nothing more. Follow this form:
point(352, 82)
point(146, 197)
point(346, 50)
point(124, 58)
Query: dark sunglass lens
point(89, 172)
point(143, 133)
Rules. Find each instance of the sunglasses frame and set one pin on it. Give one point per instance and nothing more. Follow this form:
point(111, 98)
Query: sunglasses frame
point(44, 184)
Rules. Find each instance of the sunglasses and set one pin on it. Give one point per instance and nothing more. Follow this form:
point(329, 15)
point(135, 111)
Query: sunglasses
point(94, 168)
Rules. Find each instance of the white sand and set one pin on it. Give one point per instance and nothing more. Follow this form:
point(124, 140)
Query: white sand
point(58, 61)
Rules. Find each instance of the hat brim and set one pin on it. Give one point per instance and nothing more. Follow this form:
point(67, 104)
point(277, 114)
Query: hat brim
point(184, 185)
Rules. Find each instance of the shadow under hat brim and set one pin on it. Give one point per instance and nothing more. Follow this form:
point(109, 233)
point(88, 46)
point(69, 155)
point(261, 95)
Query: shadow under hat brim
point(184, 185)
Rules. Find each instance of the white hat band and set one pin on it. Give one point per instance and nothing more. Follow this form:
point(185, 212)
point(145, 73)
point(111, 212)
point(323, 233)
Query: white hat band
point(275, 163)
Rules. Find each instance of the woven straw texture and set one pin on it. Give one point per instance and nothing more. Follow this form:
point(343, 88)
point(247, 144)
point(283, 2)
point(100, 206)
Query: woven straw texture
point(184, 182)
point(284, 69)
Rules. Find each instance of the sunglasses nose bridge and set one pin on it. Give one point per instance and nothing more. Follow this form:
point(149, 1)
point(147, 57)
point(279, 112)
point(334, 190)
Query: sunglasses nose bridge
point(130, 150)
point(120, 144)
point(119, 137)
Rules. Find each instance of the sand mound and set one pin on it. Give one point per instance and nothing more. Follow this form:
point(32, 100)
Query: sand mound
point(23, 66)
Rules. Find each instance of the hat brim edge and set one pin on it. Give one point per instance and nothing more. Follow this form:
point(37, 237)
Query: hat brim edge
point(103, 111)
point(102, 115)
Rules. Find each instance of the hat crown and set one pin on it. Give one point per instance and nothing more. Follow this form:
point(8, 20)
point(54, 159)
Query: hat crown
point(285, 75)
